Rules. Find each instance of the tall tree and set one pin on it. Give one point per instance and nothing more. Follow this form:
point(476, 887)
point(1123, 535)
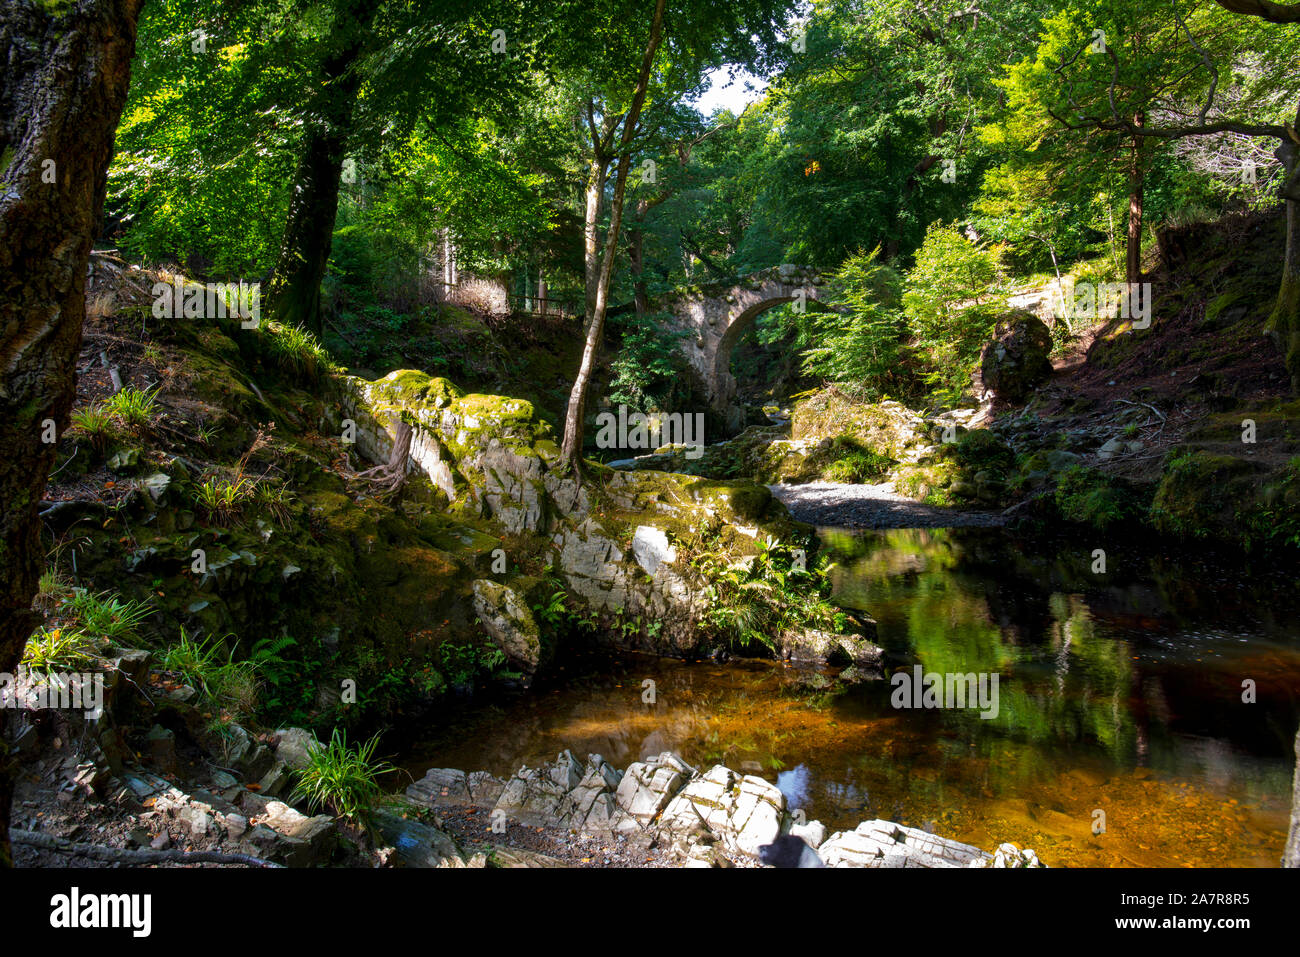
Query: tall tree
point(313, 207)
point(695, 37)
point(62, 86)
point(599, 272)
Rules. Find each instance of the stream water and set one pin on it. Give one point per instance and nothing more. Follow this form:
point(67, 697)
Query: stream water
point(1121, 738)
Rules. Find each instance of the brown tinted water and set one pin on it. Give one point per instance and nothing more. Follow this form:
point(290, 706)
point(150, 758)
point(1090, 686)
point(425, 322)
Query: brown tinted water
point(1120, 694)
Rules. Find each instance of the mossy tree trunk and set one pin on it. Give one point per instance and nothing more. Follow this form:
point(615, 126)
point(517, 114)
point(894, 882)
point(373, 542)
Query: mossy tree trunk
point(1284, 323)
point(63, 82)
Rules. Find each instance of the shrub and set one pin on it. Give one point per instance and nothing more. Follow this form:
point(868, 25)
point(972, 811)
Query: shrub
point(1090, 497)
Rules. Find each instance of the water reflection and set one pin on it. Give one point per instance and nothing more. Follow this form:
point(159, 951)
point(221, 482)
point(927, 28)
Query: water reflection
point(1119, 692)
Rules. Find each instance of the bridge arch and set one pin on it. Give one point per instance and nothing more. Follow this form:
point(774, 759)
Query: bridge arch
point(712, 320)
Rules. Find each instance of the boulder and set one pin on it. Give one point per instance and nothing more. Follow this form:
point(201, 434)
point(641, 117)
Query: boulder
point(417, 845)
point(651, 548)
point(1017, 359)
point(304, 841)
point(886, 844)
point(823, 647)
point(648, 786)
point(293, 747)
point(509, 623)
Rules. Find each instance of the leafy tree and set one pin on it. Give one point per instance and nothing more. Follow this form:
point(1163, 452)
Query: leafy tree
point(624, 87)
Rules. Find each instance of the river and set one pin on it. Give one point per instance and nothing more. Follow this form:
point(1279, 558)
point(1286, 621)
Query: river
point(1123, 736)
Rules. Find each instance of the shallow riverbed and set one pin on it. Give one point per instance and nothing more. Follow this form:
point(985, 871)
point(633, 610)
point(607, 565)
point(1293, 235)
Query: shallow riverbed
point(1120, 703)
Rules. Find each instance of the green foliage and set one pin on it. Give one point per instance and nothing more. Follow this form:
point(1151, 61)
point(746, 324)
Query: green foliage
point(210, 667)
point(104, 616)
point(134, 407)
point(854, 462)
point(97, 422)
point(647, 369)
point(463, 664)
point(341, 778)
point(1275, 520)
point(755, 601)
point(982, 449)
point(296, 351)
point(59, 650)
point(862, 340)
point(223, 500)
point(1091, 497)
point(952, 301)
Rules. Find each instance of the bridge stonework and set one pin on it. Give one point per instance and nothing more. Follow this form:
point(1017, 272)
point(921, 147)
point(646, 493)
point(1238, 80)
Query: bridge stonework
point(714, 318)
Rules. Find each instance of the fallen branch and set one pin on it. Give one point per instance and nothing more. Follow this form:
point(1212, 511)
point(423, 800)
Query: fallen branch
point(100, 852)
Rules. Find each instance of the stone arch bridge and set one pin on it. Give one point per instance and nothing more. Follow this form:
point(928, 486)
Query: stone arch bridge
point(713, 318)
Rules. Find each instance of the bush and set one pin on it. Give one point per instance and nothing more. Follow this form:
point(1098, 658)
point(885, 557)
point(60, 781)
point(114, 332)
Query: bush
point(952, 303)
point(981, 450)
point(855, 462)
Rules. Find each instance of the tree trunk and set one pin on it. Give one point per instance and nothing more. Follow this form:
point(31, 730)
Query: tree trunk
point(1133, 259)
point(1284, 322)
point(63, 82)
point(597, 175)
point(636, 259)
point(571, 449)
point(314, 205)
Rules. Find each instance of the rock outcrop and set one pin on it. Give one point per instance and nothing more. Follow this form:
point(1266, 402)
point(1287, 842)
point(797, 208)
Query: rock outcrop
point(716, 818)
point(611, 540)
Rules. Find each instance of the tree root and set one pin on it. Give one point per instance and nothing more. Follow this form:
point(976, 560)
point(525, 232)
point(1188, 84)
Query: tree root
point(387, 480)
point(100, 852)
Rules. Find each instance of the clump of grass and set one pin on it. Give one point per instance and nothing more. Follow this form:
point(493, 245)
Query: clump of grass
point(96, 421)
point(58, 649)
point(194, 660)
point(275, 498)
point(341, 778)
point(223, 500)
point(296, 350)
point(52, 590)
point(135, 407)
point(235, 686)
point(107, 617)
